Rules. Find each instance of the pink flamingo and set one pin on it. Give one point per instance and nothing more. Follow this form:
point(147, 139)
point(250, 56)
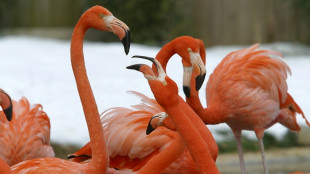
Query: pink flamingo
point(248, 91)
point(102, 19)
point(166, 94)
point(134, 122)
point(27, 135)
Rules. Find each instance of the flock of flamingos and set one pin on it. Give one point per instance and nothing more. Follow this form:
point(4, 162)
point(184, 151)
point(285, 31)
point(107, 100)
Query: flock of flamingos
point(247, 91)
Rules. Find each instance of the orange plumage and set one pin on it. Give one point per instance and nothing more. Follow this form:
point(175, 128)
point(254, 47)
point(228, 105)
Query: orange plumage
point(27, 135)
point(100, 18)
point(129, 146)
point(166, 93)
point(248, 91)
point(127, 125)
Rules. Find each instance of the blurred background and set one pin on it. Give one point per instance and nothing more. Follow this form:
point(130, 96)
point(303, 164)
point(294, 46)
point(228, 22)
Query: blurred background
point(223, 25)
point(217, 22)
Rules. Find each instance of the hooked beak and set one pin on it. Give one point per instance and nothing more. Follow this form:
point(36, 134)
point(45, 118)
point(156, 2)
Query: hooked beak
point(198, 68)
point(155, 121)
point(120, 29)
point(126, 41)
point(6, 104)
point(148, 72)
point(150, 128)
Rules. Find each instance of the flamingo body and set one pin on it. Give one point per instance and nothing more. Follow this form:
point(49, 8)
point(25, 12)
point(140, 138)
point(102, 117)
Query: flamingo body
point(166, 93)
point(50, 165)
point(129, 147)
point(124, 128)
point(27, 136)
point(100, 18)
point(248, 91)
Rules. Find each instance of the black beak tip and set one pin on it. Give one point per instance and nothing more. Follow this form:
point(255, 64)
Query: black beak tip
point(134, 67)
point(8, 113)
point(187, 91)
point(126, 41)
point(70, 156)
point(149, 129)
point(199, 81)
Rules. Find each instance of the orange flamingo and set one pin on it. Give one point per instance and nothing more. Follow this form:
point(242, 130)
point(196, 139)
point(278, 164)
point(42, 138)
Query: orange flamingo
point(27, 135)
point(134, 122)
point(130, 148)
point(102, 19)
point(166, 94)
point(6, 104)
point(248, 91)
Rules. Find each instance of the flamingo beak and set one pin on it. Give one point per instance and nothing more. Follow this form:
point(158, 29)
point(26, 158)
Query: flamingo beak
point(150, 128)
point(6, 104)
point(126, 41)
point(155, 121)
point(149, 74)
point(120, 29)
point(199, 81)
point(8, 112)
point(135, 67)
point(198, 69)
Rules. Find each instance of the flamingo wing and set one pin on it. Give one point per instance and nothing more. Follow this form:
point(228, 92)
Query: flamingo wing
point(27, 136)
point(250, 84)
point(129, 146)
point(48, 165)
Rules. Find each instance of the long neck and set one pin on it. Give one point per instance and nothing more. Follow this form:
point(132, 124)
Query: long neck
point(202, 128)
point(194, 141)
point(209, 115)
point(164, 55)
point(99, 152)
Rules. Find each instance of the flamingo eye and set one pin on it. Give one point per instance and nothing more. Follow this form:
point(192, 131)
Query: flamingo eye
point(290, 107)
point(102, 15)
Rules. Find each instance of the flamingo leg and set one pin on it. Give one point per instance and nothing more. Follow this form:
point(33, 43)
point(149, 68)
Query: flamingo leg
point(240, 152)
point(261, 145)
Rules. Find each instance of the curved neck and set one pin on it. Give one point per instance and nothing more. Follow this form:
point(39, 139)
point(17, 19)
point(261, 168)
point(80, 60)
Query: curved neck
point(164, 55)
point(209, 115)
point(99, 152)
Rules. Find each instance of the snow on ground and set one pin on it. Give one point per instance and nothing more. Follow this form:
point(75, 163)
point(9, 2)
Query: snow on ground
point(40, 69)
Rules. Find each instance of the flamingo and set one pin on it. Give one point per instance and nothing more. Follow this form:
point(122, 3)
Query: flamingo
point(6, 104)
point(248, 91)
point(130, 148)
point(27, 135)
point(102, 19)
point(134, 122)
point(166, 94)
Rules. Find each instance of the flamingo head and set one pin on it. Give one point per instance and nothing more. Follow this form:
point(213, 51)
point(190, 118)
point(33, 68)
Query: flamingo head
point(192, 52)
point(101, 18)
point(155, 121)
point(6, 104)
point(164, 89)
